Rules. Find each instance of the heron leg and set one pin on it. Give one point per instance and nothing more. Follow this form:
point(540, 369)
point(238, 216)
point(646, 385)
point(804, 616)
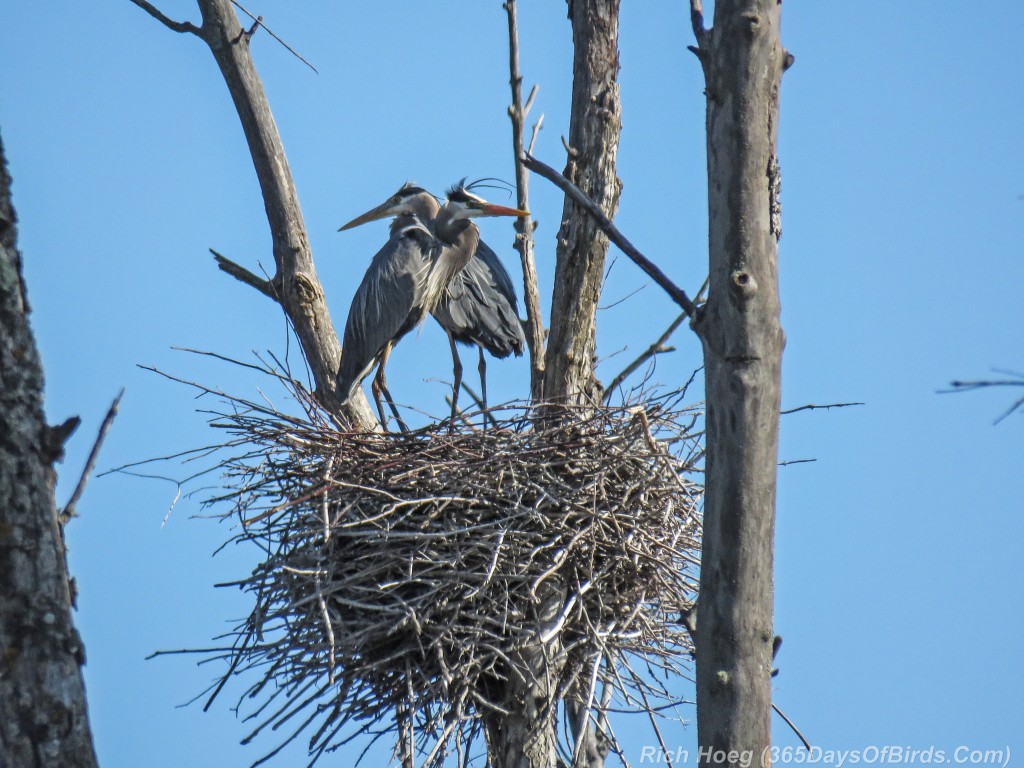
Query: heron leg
point(482, 367)
point(457, 374)
point(380, 386)
point(375, 389)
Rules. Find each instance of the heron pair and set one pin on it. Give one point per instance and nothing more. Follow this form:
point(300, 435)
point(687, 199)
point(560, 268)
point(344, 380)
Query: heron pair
point(433, 262)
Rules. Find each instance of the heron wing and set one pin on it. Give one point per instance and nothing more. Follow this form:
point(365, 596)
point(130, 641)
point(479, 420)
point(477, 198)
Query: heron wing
point(387, 304)
point(480, 306)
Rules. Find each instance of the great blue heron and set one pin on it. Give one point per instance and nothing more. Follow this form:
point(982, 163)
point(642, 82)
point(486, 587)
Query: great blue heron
point(408, 277)
point(478, 305)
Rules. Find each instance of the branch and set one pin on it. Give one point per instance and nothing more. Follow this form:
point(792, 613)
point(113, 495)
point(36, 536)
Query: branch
point(536, 129)
point(816, 407)
point(792, 725)
point(967, 386)
point(90, 464)
point(700, 32)
point(677, 294)
point(525, 225)
point(237, 271)
point(298, 289)
point(258, 22)
point(177, 26)
point(656, 348)
point(795, 461)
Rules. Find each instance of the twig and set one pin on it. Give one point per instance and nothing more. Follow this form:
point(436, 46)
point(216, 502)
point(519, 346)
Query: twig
point(699, 298)
point(258, 21)
point(479, 404)
point(90, 464)
point(627, 297)
point(806, 743)
point(657, 348)
point(237, 271)
point(536, 130)
point(177, 26)
point(677, 294)
point(812, 407)
point(967, 386)
point(525, 225)
point(795, 461)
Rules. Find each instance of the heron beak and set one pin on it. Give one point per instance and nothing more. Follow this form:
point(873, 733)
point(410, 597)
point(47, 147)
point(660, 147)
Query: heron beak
point(489, 209)
point(382, 211)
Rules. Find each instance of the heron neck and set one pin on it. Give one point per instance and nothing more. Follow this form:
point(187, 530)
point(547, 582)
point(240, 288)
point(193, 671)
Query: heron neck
point(424, 207)
point(460, 238)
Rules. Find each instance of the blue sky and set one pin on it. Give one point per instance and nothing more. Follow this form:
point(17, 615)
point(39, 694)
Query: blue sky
point(898, 591)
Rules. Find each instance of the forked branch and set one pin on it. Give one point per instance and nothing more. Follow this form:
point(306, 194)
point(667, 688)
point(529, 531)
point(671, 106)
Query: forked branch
point(967, 386)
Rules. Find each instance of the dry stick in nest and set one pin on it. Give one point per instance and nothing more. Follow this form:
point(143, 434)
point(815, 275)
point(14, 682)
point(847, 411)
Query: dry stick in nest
point(401, 570)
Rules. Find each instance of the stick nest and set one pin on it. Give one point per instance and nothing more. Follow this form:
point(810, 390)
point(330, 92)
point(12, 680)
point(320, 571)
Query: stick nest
point(412, 572)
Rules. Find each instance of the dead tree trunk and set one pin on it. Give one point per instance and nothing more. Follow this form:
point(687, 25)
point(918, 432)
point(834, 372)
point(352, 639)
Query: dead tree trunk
point(594, 126)
point(43, 717)
point(527, 736)
point(743, 61)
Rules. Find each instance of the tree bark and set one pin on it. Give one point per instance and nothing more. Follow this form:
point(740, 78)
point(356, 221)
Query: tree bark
point(526, 737)
point(44, 721)
point(594, 126)
point(743, 61)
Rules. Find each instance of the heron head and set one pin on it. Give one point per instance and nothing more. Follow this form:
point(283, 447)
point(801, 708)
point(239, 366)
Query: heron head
point(409, 199)
point(465, 204)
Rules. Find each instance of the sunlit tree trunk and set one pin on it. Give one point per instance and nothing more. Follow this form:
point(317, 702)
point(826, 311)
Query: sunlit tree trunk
point(743, 61)
point(43, 717)
point(594, 127)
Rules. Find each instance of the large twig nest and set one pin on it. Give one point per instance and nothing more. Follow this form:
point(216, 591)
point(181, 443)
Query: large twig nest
point(405, 572)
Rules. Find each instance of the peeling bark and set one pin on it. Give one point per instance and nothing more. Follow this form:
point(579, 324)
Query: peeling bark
point(44, 721)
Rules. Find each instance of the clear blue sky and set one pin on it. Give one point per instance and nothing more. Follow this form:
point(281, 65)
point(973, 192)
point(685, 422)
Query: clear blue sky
point(902, 147)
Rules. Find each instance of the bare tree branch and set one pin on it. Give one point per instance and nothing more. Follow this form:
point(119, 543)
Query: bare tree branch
point(536, 129)
point(525, 225)
point(812, 407)
point(297, 287)
point(657, 348)
point(677, 294)
point(237, 271)
point(792, 726)
point(90, 463)
point(177, 26)
point(795, 461)
point(258, 22)
point(967, 386)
